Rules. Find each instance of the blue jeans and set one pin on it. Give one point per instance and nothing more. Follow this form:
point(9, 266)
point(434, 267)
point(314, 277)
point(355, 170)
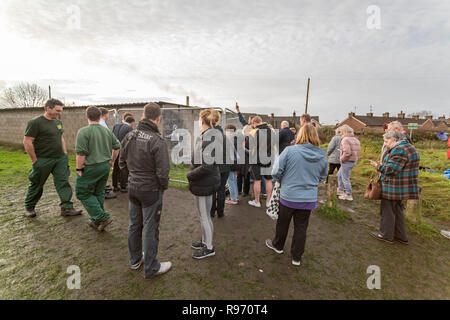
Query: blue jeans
point(232, 185)
point(343, 175)
point(145, 212)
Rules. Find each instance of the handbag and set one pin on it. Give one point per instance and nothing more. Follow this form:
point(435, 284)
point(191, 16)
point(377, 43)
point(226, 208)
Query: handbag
point(274, 203)
point(373, 190)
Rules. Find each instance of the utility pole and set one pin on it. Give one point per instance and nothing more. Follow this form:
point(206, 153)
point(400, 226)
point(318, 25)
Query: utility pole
point(307, 96)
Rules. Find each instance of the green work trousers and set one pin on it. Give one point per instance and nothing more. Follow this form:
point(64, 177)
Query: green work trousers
point(59, 168)
point(90, 190)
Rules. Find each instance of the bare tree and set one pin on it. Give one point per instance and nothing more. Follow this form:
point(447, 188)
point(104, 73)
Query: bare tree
point(24, 95)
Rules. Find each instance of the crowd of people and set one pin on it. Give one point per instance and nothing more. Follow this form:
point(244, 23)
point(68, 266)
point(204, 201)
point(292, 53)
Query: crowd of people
point(140, 160)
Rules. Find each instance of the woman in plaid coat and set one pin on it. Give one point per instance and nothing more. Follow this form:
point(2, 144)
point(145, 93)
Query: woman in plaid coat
point(399, 174)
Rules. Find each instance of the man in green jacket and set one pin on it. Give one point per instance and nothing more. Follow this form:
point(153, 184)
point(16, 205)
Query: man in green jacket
point(97, 149)
point(46, 148)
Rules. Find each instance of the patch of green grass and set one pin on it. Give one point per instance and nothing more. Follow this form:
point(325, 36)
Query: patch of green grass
point(423, 229)
point(333, 213)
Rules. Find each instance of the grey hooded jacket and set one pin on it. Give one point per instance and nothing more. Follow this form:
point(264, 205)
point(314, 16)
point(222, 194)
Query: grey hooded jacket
point(333, 152)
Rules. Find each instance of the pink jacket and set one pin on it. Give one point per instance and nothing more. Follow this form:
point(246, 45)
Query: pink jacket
point(350, 148)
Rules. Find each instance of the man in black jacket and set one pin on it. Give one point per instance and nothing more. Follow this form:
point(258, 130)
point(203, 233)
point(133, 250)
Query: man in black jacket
point(120, 130)
point(218, 205)
point(260, 138)
point(146, 155)
point(286, 136)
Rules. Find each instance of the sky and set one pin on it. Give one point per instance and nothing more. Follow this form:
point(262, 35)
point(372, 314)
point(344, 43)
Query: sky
point(394, 56)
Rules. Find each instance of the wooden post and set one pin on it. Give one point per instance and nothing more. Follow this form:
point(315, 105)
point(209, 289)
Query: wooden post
point(307, 97)
point(414, 209)
point(331, 190)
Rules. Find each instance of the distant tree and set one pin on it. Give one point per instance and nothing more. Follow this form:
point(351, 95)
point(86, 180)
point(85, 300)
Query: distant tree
point(24, 95)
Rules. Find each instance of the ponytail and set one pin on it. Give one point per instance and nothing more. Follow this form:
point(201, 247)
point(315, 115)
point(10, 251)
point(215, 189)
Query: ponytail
point(210, 117)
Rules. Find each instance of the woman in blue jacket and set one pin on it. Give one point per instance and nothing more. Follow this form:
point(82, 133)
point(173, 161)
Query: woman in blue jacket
point(299, 169)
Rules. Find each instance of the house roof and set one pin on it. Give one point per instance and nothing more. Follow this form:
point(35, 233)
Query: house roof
point(374, 121)
point(379, 121)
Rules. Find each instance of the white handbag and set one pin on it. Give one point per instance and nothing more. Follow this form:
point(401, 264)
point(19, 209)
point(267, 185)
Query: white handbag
point(274, 203)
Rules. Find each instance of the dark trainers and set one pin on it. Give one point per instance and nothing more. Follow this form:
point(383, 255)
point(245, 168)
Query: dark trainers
point(116, 189)
point(378, 236)
point(198, 245)
point(70, 212)
point(110, 195)
point(124, 190)
point(102, 225)
point(203, 253)
point(401, 241)
point(30, 213)
point(270, 245)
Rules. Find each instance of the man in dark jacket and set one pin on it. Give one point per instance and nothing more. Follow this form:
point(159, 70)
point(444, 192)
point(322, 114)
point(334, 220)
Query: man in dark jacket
point(120, 130)
point(218, 204)
point(146, 155)
point(260, 137)
point(286, 136)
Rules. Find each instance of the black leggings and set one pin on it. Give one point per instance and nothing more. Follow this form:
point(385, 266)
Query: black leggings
point(333, 166)
point(301, 220)
point(218, 203)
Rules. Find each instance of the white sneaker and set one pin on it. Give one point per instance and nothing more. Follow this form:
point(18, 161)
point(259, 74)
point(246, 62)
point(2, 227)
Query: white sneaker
point(137, 265)
point(346, 197)
point(267, 204)
point(445, 234)
point(340, 192)
point(165, 266)
point(255, 204)
point(296, 263)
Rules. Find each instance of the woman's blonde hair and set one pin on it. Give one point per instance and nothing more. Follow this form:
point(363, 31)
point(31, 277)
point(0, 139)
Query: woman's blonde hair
point(308, 134)
point(345, 129)
point(210, 117)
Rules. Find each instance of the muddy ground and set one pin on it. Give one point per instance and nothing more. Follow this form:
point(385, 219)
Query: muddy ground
point(35, 254)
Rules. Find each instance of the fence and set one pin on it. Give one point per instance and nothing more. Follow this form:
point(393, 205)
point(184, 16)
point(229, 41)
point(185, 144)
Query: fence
point(14, 121)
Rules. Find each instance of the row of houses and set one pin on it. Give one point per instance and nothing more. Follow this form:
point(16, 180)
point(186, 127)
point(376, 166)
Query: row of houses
point(371, 122)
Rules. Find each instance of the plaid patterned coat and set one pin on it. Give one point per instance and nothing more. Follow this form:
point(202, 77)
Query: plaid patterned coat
point(400, 172)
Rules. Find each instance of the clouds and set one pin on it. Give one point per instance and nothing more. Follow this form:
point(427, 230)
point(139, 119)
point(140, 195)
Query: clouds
point(258, 52)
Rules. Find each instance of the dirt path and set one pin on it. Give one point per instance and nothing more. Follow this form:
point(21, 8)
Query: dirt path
point(35, 254)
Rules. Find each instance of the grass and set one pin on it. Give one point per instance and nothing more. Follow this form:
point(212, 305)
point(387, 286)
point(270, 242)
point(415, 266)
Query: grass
point(334, 213)
point(34, 254)
point(435, 187)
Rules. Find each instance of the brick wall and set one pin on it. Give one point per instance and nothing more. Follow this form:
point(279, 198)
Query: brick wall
point(14, 122)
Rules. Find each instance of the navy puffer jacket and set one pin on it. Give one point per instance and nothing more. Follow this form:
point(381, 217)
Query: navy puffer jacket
point(204, 178)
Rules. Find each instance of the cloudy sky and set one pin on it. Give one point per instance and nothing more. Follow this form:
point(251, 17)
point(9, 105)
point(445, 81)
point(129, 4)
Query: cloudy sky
point(259, 53)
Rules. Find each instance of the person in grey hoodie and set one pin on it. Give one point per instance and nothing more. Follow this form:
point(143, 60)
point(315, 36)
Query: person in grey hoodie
point(299, 169)
point(333, 153)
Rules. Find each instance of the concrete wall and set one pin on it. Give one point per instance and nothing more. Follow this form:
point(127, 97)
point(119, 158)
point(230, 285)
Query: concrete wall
point(13, 122)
